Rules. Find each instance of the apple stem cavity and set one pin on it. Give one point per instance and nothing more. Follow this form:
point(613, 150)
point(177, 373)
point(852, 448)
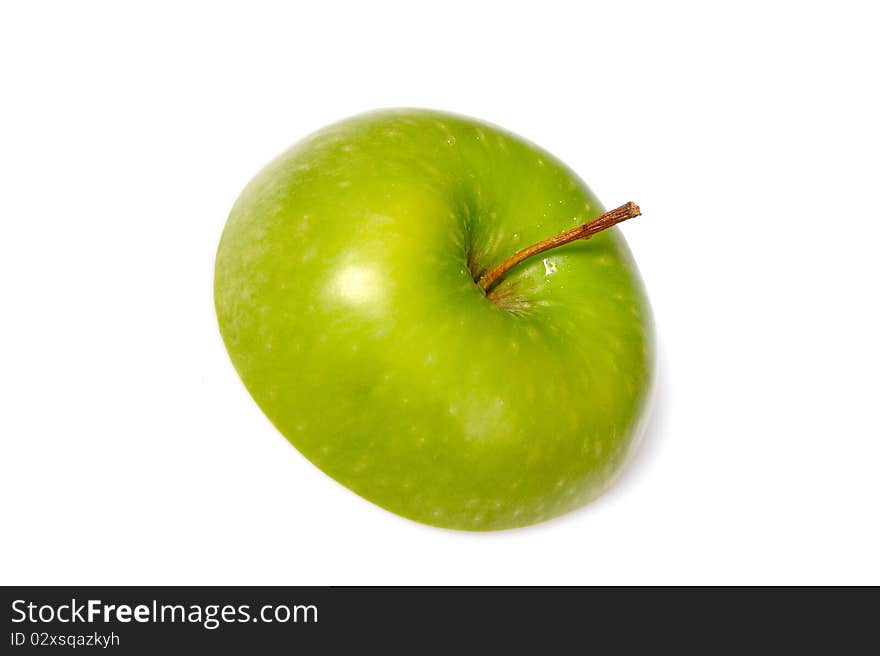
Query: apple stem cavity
point(583, 231)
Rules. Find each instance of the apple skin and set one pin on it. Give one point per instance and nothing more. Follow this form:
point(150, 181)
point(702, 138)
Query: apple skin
point(345, 293)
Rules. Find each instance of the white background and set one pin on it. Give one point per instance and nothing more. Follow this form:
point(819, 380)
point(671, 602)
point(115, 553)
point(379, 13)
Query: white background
point(131, 453)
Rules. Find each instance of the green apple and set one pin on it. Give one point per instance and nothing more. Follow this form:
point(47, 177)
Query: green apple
point(347, 293)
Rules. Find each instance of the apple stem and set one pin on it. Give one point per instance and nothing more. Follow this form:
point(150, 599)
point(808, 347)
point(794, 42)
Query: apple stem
point(584, 231)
